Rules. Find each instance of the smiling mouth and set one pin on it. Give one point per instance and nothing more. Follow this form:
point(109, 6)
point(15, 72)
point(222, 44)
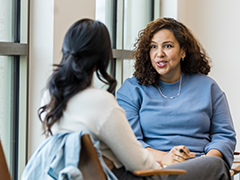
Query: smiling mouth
point(161, 63)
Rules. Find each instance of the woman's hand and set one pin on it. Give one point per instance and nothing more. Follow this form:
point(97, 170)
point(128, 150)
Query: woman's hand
point(177, 154)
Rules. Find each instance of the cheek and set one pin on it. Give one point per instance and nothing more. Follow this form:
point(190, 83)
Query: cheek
point(151, 55)
point(174, 57)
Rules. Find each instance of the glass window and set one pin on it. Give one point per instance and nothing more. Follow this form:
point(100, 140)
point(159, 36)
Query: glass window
point(6, 83)
point(6, 104)
point(137, 14)
point(6, 20)
point(105, 14)
point(13, 82)
point(124, 19)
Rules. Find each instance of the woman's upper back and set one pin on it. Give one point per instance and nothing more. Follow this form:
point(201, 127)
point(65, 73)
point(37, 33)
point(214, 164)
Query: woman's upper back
point(97, 112)
point(91, 106)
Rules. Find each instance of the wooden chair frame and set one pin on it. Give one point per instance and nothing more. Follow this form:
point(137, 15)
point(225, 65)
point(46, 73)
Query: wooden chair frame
point(4, 172)
point(91, 167)
point(235, 169)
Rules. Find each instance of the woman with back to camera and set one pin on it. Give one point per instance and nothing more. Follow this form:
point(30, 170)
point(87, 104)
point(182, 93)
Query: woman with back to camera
point(173, 107)
point(72, 104)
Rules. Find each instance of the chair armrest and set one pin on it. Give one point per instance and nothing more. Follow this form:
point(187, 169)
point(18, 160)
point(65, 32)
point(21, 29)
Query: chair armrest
point(236, 168)
point(236, 153)
point(150, 172)
point(236, 157)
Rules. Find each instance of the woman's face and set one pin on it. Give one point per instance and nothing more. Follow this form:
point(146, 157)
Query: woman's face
point(165, 55)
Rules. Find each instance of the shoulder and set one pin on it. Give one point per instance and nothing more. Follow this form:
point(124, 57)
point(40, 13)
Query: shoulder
point(131, 82)
point(204, 84)
point(131, 85)
point(97, 97)
point(133, 93)
point(201, 79)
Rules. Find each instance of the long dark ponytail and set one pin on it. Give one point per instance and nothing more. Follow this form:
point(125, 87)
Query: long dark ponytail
point(86, 48)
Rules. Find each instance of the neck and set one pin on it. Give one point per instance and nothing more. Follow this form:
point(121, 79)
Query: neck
point(172, 79)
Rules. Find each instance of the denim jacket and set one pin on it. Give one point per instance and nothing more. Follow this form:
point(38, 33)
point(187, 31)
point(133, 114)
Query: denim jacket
point(58, 157)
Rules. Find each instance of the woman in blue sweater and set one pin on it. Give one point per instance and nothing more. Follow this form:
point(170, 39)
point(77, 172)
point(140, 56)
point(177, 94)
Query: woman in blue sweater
point(176, 111)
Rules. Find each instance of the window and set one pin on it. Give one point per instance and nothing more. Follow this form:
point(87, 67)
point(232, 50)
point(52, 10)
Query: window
point(124, 19)
point(13, 82)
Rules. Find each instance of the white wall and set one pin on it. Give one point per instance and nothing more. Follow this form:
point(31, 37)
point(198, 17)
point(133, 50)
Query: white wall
point(217, 26)
point(49, 21)
point(169, 8)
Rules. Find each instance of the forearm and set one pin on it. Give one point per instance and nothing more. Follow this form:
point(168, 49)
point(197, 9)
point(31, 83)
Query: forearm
point(214, 152)
point(158, 155)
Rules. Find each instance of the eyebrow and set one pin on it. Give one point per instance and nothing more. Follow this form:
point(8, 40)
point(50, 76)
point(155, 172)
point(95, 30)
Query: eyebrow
point(163, 42)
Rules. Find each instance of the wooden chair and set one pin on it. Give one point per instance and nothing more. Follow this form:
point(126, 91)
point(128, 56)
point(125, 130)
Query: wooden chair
point(91, 167)
point(235, 169)
point(89, 163)
point(4, 172)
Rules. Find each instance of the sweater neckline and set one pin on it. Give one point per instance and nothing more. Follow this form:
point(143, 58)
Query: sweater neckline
point(162, 83)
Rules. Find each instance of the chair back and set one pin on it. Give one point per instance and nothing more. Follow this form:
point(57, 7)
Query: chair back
point(4, 172)
point(89, 163)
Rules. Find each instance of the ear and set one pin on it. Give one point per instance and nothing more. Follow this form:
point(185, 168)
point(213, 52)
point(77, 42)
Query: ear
point(183, 53)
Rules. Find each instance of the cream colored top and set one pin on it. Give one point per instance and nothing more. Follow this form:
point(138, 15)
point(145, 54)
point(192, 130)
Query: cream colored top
point(97, 112)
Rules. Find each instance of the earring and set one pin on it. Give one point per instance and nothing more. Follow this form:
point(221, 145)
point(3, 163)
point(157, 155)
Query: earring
point(182, 58)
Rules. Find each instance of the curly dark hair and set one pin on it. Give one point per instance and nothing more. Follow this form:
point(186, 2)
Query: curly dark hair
point(86, 48)
point(195, 61)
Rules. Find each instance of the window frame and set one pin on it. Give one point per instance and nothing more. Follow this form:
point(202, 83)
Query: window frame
point(120, 54)
point(20, 53)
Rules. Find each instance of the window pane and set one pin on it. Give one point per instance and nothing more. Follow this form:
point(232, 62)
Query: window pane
point(6, 20)
point(6, 107)
point(104, 13)
point(128, 68)
point(137, 14)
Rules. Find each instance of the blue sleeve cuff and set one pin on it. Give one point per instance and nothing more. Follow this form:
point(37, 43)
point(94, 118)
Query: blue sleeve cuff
point(144, 145)
point(227, 152)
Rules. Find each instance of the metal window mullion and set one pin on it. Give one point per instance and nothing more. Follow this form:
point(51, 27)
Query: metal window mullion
point(15, 116)
point(16, 34)
point(152, 10)
point(114, 36)
point(11, 48)
point(121, 54)
point(123, 16)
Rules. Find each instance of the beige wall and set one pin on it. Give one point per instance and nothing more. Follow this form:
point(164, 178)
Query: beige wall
point(49, 21)
point(216, 24)
point(65, 14)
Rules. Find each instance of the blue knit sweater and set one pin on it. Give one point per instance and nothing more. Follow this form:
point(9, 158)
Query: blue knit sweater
point(198, 118)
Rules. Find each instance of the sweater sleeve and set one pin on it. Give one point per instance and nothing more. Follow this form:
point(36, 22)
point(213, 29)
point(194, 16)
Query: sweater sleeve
point(117, 134)
point(222, 130)
point(129, 98)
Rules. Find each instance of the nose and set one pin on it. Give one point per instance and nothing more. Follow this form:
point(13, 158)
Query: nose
point(160, 52)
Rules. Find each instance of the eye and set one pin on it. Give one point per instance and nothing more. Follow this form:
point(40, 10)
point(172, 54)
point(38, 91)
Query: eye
point(153, 46)
point(168, 46)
